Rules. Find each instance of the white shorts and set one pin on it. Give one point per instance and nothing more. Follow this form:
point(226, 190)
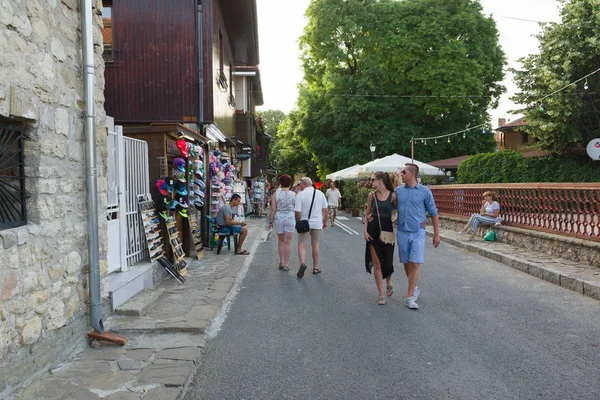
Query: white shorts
point(284, 225)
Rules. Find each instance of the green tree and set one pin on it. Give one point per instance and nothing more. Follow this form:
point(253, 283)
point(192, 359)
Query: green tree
point(569, 50)
point(271, 120)
point(289, 154)
point(383, 71)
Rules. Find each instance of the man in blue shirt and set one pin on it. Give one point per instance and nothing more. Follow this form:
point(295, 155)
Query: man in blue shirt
point(414, 201)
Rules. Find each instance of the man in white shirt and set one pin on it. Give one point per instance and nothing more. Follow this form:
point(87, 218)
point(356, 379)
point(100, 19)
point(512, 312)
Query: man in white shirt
point(334, 200)
point(316, 222)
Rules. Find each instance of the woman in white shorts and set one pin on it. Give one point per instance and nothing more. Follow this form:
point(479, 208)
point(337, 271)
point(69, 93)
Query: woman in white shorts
point(282, 214)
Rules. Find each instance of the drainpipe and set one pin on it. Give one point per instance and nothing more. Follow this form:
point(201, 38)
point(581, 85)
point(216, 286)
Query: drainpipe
point(199, 26)
point(200, 68)
point(90, 163)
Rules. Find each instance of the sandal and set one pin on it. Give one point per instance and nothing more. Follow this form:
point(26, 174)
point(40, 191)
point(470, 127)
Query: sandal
point(284, 268)
point(243, 253)
point(381, 301)
point(390, 290)
point(316, 271)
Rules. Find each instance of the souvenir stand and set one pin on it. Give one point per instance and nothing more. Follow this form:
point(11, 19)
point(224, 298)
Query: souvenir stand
point(223, 177)
point(176, 169)
point(258, 197)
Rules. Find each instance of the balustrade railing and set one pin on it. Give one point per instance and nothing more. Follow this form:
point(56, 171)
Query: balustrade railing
point(571, 209)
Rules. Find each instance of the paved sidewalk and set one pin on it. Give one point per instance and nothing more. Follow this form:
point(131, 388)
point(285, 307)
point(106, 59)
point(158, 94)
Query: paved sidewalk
point(165, 341)
point(584, 279)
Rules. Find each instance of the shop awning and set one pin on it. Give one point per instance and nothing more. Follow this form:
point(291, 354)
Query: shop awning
point(214, 133)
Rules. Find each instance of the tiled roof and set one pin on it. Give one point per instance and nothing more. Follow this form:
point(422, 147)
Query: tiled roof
point(450, 163)
point(517, 122)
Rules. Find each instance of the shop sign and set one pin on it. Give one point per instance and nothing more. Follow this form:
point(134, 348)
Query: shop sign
point(172, 148)
point(593, 149)
point(243, 156)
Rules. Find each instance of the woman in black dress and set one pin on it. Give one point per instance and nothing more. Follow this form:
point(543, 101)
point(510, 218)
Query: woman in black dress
point(378, 255)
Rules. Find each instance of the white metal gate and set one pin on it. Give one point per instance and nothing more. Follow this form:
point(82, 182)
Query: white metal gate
point(127, 177)
point(137, 180)
point(115, 180)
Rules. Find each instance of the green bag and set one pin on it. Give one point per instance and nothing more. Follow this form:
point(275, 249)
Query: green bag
point(490, 235)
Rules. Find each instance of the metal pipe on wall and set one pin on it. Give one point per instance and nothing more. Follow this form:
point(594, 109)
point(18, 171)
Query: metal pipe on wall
point(90, 162)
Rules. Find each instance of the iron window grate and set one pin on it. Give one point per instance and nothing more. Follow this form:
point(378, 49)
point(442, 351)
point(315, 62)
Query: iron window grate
point(13, 211)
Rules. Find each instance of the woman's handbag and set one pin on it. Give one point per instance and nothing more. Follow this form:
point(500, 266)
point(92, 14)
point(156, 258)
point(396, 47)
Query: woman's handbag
point(302, 226)
point(384, 236)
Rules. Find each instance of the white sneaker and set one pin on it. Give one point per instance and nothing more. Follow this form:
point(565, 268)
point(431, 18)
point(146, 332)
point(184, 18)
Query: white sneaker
point(416, 293)
point(410, 303)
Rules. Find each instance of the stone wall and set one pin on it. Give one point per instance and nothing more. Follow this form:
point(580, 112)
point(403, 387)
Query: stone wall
point(44, 264)
point(583, 251)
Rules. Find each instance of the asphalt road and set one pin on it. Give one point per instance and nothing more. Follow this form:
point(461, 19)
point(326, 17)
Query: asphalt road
point(483, 331)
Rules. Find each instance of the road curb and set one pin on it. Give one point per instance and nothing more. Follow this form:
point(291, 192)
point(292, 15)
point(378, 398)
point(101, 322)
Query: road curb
point(219, 317)
point(584, 280)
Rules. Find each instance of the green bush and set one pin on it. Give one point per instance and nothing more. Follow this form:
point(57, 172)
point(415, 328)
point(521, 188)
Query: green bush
point(508, 166)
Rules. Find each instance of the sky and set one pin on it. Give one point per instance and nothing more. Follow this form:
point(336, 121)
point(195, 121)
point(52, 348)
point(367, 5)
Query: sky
point(281, 23)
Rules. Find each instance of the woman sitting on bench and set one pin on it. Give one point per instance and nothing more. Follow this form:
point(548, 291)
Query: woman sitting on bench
point(228, 226)
point(488, 215)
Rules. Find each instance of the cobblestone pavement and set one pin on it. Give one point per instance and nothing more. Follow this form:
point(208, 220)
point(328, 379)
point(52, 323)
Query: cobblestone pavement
point(165, 342)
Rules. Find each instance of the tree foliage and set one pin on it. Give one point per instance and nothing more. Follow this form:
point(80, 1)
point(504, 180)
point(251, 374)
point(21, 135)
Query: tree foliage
point(509, 166)
point(383, 71)
point(271, 120)
point(569, 50)
point(289, 153)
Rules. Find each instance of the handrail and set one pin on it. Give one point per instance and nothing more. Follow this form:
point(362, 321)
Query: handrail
point(570, 209)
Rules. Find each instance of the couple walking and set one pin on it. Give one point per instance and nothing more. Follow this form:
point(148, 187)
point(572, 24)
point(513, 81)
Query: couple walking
point(287, 208)
point(412, 201)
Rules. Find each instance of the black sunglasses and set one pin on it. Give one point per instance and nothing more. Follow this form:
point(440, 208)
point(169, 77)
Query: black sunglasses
point(402, 172)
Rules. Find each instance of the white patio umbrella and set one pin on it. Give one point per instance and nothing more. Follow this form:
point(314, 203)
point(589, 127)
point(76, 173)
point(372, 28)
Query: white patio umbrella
point(338, 175)
point(392, 162)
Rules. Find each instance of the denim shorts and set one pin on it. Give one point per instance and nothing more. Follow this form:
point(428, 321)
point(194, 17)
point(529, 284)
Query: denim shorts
point(411, 246)
point(227, 230)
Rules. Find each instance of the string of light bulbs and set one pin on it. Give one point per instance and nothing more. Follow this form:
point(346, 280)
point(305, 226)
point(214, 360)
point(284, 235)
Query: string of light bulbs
point(448, 135)
point(484, 131)
point(586, 86)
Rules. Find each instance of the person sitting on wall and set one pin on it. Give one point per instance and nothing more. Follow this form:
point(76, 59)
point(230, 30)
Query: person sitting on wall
point(227, 225)
point(488, 215)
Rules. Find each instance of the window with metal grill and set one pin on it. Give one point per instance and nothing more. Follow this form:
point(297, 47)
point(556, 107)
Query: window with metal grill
point(13, 211)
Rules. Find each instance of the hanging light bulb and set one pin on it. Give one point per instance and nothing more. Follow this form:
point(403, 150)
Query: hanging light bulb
point(585, 85)
point(484, 131)
point(464, 135)
point(435, 141)
point(541, 108)
point(448, 140)
point(425, 142)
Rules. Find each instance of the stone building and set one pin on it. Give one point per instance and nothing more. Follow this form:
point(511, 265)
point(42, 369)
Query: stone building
point(43, 225)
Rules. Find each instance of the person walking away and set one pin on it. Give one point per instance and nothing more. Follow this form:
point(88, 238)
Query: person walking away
point(227, 225)
point(488, 215)
point(317, 222)
point(283, 203)
point(334, 201)
point(414, 201)
point(379, 255)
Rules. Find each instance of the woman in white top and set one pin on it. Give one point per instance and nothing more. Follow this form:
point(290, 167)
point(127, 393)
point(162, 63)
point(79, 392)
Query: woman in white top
point(488, 215)
point(282, 213)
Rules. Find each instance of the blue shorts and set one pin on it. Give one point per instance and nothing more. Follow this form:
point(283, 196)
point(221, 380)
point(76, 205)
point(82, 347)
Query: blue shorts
point(227, 230)
point(411, 246)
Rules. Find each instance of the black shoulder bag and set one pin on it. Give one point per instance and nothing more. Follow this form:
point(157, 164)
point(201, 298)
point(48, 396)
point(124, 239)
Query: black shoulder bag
point(302, 225)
